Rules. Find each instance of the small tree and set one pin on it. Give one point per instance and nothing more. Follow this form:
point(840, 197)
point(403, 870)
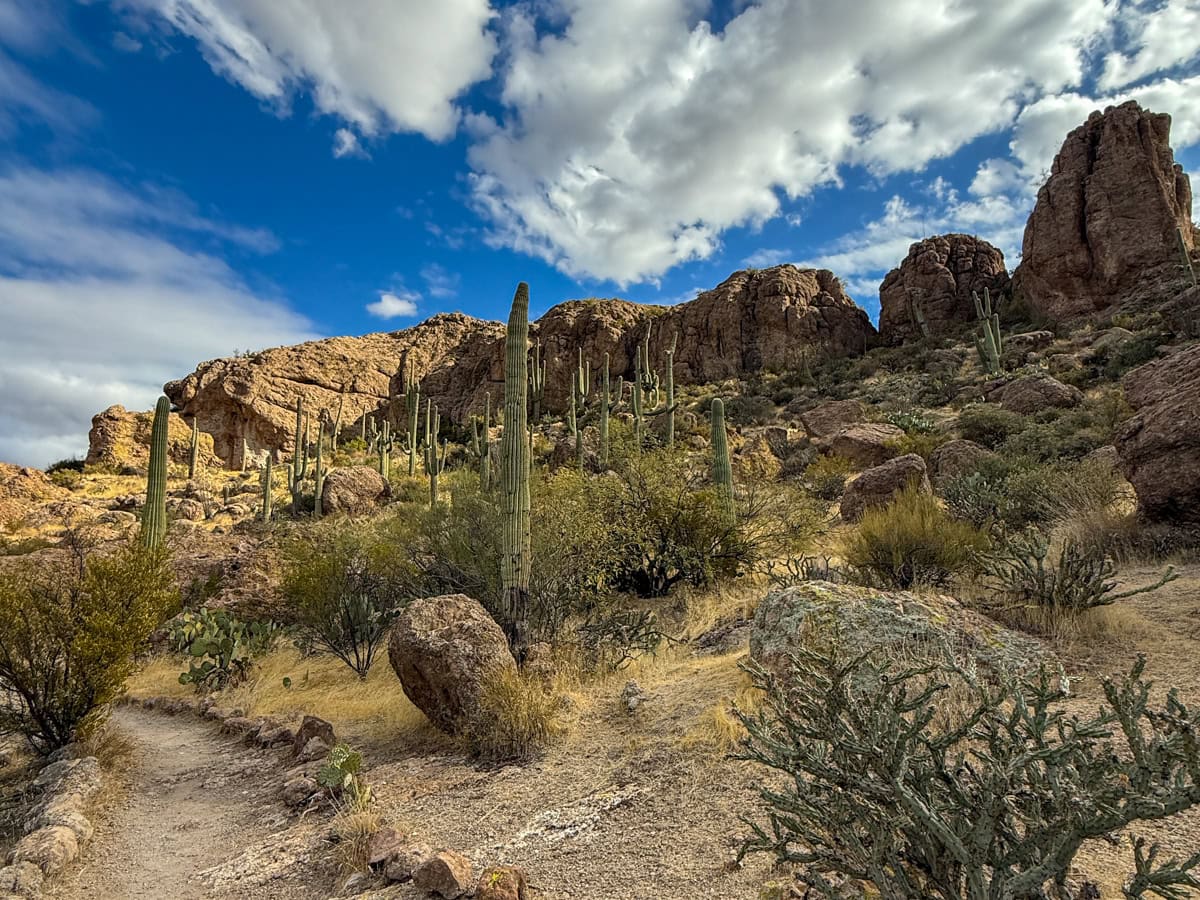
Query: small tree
point(987, 798)
point(69, 632)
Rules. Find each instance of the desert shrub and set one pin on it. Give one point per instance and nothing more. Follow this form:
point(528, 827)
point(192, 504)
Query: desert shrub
point(988, 424)
point(71, 479)
point(612, 637)
point(1079, 579)
point(911, 541)
point(977, 497)
point(517, 718)
point(750, 410)
point(826, 476)
point(883, 787)
point(345, 587)
point(911, 421)
point(68, 635)
point(71, 464)
point(921, 443)
point(340, 774)
point(1057, 492)
point(795, 570)
point(220, 648)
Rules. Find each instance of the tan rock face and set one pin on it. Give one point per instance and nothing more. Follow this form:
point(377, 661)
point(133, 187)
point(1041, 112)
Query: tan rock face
point(753, 321)
point(1160, 445)
point(937, 277)
point(122, 438)
point(443, 649)
point(21, 489)
point(1106, 218)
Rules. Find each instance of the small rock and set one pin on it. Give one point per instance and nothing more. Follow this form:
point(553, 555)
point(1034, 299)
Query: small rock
point(50, 849)
point(632, 696)
point(316, 748)
point(298, 791)
point(310, 728)
point(401, 865)
point(190, 510)
point(447, 874)
point(502, 883)
point(21, 880)
point(65, 810)
point(240, 725)
point(383, 845)
point(274, 737)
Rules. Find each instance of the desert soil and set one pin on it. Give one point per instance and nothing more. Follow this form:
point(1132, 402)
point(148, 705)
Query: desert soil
point(196, 817)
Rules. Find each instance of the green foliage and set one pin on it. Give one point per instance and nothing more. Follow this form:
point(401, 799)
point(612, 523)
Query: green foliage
point(71, 479)
point(750, 410)
point(826, 476)
point(989, 342)
point(924, 782)
point(69, 630)
point(988, 424)
point(345, 586)
point(610, 638)
point(1079, 579)
point(71, 464)
point(221, 648)
point(340, 774)
point(980, 498)
point(911, 421)
point(911, 541)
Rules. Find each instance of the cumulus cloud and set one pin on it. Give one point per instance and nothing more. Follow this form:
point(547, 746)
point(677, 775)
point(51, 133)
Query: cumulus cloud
point(378, 65)
point(634, 135)
point(346, 143)
point(394, 305)
point(102, 300)
point(1160, 36)
point(439, 281)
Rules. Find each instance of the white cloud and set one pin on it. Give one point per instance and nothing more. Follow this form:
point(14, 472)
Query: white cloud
point(345, 143)
point(1161, 37)
point(102, 301)
point(379, 65)
point(635, 135)
point(394, 305)
point(439, 281)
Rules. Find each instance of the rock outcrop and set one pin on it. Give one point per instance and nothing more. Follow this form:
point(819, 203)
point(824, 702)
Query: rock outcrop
point(1031, 394)
point(354, 491)
point(1105, 220)
point(755, 320)
point(21, 489)
point(1160, 444)
point(935, 282)
point(443, 649)
point(868, 444)
point(878, 485)
point(122, 438)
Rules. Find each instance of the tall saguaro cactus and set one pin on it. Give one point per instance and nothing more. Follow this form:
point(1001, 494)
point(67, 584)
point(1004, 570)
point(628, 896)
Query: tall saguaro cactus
point(605, 407)
point(989, 342)
point(194, 455)
point(319, 477)
point(481, 444)
point(154, 513)
point(433, 464)
point(515, 561)
point(300, 451)
point(412, 408)
point(722, 470)
point(268, 484)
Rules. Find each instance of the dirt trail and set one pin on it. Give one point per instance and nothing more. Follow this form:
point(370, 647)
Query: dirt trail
point(198, 818)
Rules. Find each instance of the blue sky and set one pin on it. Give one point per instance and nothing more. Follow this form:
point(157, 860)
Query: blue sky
point(184, 178)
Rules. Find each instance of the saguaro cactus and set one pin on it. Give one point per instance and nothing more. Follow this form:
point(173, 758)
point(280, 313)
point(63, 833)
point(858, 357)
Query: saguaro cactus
point(988, 343)
point(605, 407)
point(515, 561)
point(481, 444)
point(194, 456)
point(412, 407)
point(671, 390)
point(154, 513)
point(722, 471)
point(319, 477)
point(268, 484)
point(537, 381)
point(299, 451)
point(433, 465)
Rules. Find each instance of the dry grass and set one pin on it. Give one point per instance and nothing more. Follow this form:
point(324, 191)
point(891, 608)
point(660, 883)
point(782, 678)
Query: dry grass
point(158, 676)
point(717, 730)
point(519, 717)
point(353, 827)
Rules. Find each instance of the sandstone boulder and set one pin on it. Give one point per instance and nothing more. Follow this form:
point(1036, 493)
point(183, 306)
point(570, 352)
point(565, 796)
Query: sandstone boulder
point(866, 445)
point(876, 486)
point(1160, 444)
point(400, 865)
point(824, 421)
point(447, 874)
point(122, 438)
point(927, 627)
point(935, 282)
point(502, 883)
point(443, 649)
point(21, 880)
point(354, 491)
point(1030, 394)
point(1106, 217)
point(955, 458)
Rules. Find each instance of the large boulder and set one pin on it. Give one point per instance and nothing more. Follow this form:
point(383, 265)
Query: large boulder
point(353, 491)
point(122, 438)
point(878, 485)
point(443, 650)
point(825, 420)
point(1160, 444)
point(1106, 218)
point(912, 627)
point(935, 282)
point(960, 457)
point(868, 444)
point(1031, 394)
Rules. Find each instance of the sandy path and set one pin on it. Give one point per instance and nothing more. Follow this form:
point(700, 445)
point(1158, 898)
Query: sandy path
point(195, 801)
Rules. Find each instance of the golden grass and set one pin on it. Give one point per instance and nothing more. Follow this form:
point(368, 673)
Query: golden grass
point(717, 730)
point(519, 717)
point(158, 676)
point(353, 827)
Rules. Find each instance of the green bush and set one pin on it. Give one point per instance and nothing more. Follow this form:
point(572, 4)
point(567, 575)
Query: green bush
point(69, 630)
point(345, 586)
point(826, 476)
point(911, 421)
point(750, 410)
point(987, 424)
point(979, 498)
point(924, 782)
point(221, 648)
point(911, 541)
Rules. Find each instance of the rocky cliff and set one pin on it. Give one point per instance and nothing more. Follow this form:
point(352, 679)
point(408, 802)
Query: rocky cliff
point(755, 320)
point(937, 278)
point(1105, 220)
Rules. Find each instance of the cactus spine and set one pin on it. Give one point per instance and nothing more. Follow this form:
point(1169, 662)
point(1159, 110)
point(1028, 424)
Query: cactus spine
point(988, 344)
point(194, 455)
point(268, 476)
point(515, 563)
point(1186, 264)
point(722, 471)
point(154, 514)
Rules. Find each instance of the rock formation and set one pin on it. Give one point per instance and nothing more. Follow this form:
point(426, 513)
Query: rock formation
point(934, 282)
point(1105, 220)
point(755, 320)
point(879, 484)
point(1160, 445)
point(122, 438)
